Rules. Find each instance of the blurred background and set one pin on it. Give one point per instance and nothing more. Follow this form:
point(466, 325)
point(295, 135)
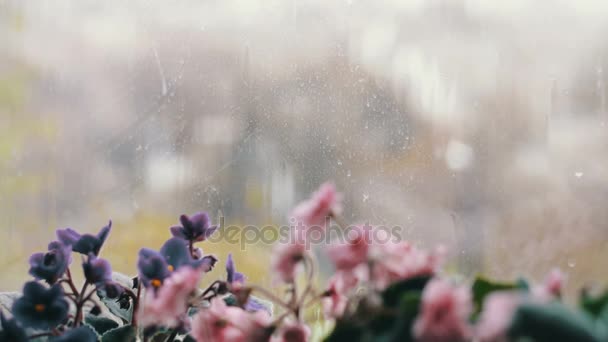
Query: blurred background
point(479, 125)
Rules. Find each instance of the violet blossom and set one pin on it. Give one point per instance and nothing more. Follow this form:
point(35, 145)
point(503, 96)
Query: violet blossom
point(40, 307)
point(85, 243)
point(154, 267)
point(232, 276)
point(50, 266)
point(194, 228)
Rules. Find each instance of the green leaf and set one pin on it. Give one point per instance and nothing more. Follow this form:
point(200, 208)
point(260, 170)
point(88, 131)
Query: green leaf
point(230, 300)
point(594, 305)
point(346, 331)
point(101, 324)
point(119, 307)
point(392, 295)
point(188, 338)
point(159, 336)
point(553, 322)
point(483, 287)
point(125, 333)
point(409, 306)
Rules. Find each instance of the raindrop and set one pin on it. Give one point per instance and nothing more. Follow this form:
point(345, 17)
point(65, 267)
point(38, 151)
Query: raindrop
point(578, 174)
point(348, 173)
point(571, 263)
point(365, 198)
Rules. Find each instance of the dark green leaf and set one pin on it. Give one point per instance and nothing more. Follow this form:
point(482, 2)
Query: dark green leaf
point(230, 300)
point(188, 338)
point(409, 305)
point(346, 331)
point(125, 333)
point(121, 307)
point(522, 284)
point(594, 305)
point(159, 336)
point(392, 295)
point(100, 324)
point(553, 322)
point(483, 287)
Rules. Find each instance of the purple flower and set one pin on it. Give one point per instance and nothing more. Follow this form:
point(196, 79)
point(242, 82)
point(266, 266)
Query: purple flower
point(232, 276)
point(50, 266)
point(11, 330)
point(194, 228)
point(85, 243)
point(41, 307)
point(155, 266)
point(80, 334)
point(97, 270)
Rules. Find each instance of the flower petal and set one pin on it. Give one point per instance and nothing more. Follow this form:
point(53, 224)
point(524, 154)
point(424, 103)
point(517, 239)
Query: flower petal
point(175, 251)
point(67, 236)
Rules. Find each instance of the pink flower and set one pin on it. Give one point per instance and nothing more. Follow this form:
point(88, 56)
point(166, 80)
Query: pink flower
point(168, 305)
point(222, 323)
point(292, 332)
point(323, 203)
point(350, 254)
point(400, 260)
point(285, 258)
point(554, 283)
point(550, 289)
point(444, 312)
point(496, 316)
point(336, 300)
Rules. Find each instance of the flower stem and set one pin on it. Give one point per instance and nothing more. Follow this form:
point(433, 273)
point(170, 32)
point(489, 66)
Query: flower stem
point(171, 337)
point(70, 281)
point(272, 297)
point(310, 268)
point(79, 304)
point(136, 305)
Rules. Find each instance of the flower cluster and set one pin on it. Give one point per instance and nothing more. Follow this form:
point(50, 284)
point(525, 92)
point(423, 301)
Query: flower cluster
point(393, 291)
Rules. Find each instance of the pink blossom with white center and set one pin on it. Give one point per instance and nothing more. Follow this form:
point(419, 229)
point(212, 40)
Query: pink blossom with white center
point(351, 253)
point(496, 316)
point(395, 261)
point(292, 332)
point(324, 202)
point(222, 323)
point(168, 305)
point(285, 259)
point(444, 313)
point(550, 289)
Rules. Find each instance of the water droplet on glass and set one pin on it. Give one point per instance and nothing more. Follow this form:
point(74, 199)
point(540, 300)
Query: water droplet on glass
point(578, 174)
point(348, 173)
point(571, 263)
point(365, 198)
